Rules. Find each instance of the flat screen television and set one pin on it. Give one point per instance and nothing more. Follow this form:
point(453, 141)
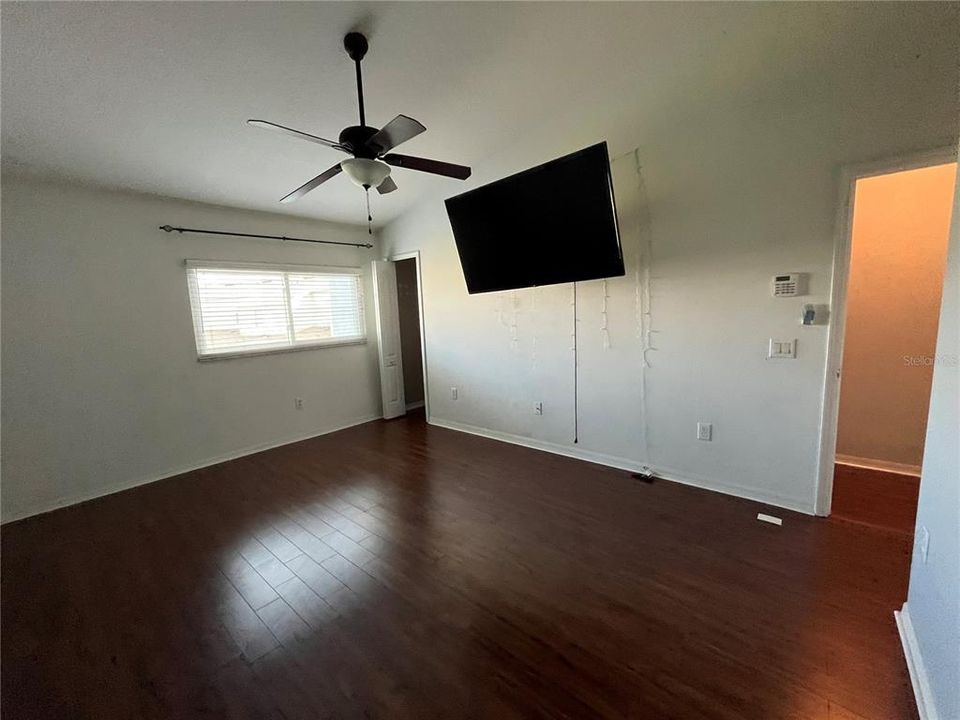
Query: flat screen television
point(555, 223)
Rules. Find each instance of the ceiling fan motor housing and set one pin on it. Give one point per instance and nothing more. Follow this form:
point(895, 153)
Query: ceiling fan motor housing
point(355, 137)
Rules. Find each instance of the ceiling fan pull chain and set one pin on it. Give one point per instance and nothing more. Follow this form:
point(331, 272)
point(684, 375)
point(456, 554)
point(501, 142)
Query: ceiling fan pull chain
point(369, 216)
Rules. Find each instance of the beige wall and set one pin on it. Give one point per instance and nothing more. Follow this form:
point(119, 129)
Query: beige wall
point(901, 224)
point(409, 309)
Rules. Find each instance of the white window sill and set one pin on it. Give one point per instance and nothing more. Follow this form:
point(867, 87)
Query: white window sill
point(277, 351)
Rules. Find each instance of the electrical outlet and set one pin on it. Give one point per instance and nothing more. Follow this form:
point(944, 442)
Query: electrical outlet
point(704, 431)
point(923, 543)
point(453, 393)
point(298, 403)
point(538, 408)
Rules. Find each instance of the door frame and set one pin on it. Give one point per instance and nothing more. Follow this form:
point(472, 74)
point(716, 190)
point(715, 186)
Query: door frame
point(843, 230)
point(415, 256)
point(387, 306)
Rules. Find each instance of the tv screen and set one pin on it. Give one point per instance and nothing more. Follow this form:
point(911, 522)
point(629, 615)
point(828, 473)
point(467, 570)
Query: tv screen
point(555, 223)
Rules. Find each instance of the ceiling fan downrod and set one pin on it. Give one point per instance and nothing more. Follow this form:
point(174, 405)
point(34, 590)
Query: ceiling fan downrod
point(356, 46)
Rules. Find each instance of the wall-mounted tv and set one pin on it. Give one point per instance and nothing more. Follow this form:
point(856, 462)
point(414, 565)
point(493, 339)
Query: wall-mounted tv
point(555, 223)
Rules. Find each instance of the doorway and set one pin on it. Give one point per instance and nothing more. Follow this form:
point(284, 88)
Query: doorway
point(399, 311)
point(408, 310)
point(894, 244)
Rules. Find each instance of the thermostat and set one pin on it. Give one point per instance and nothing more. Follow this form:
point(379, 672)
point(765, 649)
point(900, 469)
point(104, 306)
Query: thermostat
point(789, 285)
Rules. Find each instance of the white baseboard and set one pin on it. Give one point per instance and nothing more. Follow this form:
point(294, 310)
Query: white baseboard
point(926, 706)
point(172, 472)
point(620, 463)
point(882, 465)
point(414, 406)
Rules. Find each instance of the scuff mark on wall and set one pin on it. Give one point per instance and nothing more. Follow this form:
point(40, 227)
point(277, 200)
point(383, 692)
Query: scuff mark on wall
point(498, 308)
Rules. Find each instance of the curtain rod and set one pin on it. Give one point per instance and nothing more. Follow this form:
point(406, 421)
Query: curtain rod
point(170, 228)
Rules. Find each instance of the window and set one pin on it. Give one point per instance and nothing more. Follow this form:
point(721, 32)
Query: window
point(251, 309)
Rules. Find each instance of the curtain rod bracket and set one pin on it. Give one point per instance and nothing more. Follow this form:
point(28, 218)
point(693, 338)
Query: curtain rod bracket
point(282, 238)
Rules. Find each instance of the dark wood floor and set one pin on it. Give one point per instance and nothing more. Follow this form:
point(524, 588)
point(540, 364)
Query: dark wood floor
point(396, 570)
point(883, 499)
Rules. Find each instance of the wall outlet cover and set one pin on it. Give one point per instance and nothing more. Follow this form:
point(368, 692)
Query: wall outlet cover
point(704, 431)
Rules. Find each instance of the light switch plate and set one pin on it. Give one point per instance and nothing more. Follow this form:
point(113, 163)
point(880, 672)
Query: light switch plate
point(782, 349)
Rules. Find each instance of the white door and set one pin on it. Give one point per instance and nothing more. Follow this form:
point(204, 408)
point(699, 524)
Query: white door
point(388, 338)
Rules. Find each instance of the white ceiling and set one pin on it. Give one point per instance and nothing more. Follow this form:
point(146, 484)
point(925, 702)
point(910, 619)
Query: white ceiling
point(153, 96)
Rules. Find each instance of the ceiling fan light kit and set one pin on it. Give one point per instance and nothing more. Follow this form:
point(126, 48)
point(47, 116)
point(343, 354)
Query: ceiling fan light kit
point(364, 172)
point(370, 165)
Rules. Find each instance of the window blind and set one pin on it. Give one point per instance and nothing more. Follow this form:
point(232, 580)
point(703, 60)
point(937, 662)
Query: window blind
point(255, 309)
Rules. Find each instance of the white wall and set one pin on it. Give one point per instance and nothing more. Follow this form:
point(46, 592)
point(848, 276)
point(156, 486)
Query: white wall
point(934, 599)
point(101, 385)
point(739, 182)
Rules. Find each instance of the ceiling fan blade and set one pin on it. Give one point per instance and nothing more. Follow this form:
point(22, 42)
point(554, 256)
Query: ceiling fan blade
point(387, 186)
point(397, 131)
point(310, 185)
point(460, 172)
point(296, 133)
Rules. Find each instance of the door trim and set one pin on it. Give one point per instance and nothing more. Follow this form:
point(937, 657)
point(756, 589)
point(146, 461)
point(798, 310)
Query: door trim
point(386, 302)
point(843, 228)
point(415, 256)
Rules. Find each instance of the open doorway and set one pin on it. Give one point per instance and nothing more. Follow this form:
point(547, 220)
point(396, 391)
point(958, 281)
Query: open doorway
point(896, 243)
point(398, 303)
point(408, 310)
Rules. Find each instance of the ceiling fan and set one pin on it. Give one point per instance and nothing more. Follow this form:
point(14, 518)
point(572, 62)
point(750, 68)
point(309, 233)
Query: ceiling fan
point(371, 162)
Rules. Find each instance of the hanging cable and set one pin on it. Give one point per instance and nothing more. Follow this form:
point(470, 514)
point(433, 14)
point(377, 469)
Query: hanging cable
point(643, 230)
point(576, 401)
point(604, 328)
